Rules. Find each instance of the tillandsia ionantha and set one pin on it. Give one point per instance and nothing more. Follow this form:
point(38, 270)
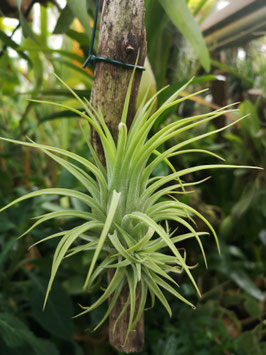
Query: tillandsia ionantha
point(129, 208)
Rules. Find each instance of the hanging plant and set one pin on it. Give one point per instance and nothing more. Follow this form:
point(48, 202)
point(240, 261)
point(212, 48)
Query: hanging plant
point(129, 209)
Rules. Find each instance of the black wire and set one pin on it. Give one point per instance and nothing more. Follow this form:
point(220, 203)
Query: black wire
point(92, 59)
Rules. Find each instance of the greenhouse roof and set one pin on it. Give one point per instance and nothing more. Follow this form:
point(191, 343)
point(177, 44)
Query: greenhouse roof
point(236, 24)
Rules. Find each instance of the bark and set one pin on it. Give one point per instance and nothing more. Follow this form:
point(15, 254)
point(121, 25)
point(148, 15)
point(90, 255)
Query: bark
point(122, 35)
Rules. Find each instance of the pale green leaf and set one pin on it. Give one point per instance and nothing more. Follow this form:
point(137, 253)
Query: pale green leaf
point(181, 16)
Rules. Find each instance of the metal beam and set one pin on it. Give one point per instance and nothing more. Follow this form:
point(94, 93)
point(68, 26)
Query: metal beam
point(235, 25)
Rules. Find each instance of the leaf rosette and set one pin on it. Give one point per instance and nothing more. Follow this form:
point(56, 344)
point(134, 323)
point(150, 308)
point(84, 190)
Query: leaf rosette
point(129, 208)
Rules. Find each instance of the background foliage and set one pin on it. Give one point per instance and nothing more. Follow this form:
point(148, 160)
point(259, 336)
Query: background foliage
point(230, 317)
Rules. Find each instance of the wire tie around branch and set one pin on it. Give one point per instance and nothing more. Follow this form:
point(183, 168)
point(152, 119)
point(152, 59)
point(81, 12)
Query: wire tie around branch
point(92, 59)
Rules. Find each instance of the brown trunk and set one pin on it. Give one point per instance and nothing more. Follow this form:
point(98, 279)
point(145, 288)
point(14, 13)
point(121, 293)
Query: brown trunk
point(122, 35)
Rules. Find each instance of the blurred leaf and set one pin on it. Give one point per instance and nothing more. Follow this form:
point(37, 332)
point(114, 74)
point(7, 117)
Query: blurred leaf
point(158, 39)
point(37, 62)
point(62, 92)
point(81, 71)
point(78, 205)
point(5, 223)
point(249, 343)
point(58, 115)
point(80, 37)
point(44, 347)
point(161, 170)
point(74, 284)
point(235, 272)
point(234, 138)
point(237, 252)
point(147, 84)
point(250, 124)
point(57, 52)
point(231, 70)
point(262, 236)
point(247, 198)
point(170, 90)
point(64, 21)
point(253, 308)
point(12, 44)
point(79, 10)
point(27, 32)
point(57, 316)
point(13, 331)
point(173, 88)
point(8, 41)
point(226, 227)
point(78, 349)
point(170, 346)
point(181, 16)
point(243, 281)
point(8, 77)
point(66, 180)
point(7, 246)
point(15, 334)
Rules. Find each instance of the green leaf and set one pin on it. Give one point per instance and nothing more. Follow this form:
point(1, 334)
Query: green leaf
point(79, 10)
point(119, 247)
point(251, 124)
point(16, 334)
point(64, 21)
point(227, 68)
point(111, 305)
point(150, 222)
point(57, 115)
point(8, 41)
point(53, 191)
point(113, 285)
point(13, 330)
point(59, 214)
point(81, 38)
point(57, 317)
point(170, 346)
point(5, 252)
point(107, 226)
point(253, 308)
point(91, 167)
point(5, 224)
point(181, 16)
point(27, 32)
point(61, 52)
point(12, 44)
point(63, 247)
point(243, 281)
point(155, 289)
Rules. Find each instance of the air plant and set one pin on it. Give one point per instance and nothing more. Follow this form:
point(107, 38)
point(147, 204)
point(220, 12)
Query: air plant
point(128, 208)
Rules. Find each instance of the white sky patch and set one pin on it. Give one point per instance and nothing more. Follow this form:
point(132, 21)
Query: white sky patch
point(222, 4)
point(56, 41)
point(241, 54)
point(208, 98)
point(221, 77)
point(62, 3)
point(10, 22)
point(263, 48)
point(36, 15)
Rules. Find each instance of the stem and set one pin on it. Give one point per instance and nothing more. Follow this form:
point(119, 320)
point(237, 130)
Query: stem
point(122, 35)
